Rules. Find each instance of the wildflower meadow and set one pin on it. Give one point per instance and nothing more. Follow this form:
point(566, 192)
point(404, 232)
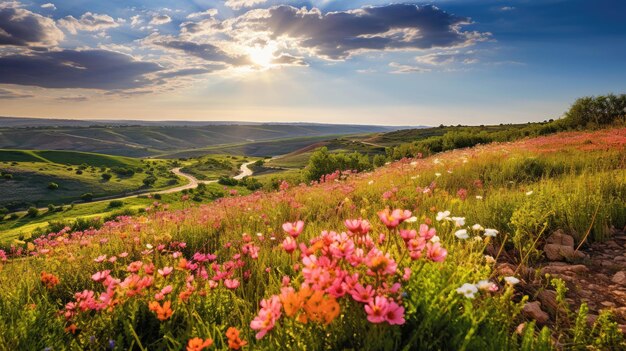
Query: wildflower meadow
point(406, 257)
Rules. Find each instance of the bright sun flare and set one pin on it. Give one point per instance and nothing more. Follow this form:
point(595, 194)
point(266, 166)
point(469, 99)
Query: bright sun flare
point(262, 55)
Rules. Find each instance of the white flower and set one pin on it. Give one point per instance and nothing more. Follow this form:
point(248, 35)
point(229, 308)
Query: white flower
point(149, 246)
point(478, 238)
point(411, 219)
point(259, 234)
point(434, 239)
point(479, 197)
point(413, 177)
point(511, 280)
point(528, 193)
point(490, 259)
point(414, 163)
point(468, 290)
point(436, 161)
point(370, 182)
point(478, 227)
point(484, 285)
point(449, 171)
point(437, 174)
point(491, 232)
point(442, 215)
point(461, 234)
point(458, 221)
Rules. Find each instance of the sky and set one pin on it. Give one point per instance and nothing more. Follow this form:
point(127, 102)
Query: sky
point(447, 62)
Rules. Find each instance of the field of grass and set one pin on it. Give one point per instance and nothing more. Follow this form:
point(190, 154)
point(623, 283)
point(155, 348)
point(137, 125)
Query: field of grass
point(214, 166)
point(28, 176)
point(242, 271)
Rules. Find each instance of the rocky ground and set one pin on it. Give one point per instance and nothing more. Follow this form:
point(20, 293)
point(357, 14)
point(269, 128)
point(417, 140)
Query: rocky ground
point(595, 275)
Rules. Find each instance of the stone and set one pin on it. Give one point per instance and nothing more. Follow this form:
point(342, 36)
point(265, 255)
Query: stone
point(533, 310)
point(560, 238)
point(563, 269)
point(619, 278)
point(506, 269)
point(556, 252)
point(607, 304)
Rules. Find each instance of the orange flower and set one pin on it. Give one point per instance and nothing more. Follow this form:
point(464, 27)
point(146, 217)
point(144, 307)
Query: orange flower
point(234, 342)
point(292, 302)
point(197, 344)
point(163, 312)
point(71, 329)
point(49, 280)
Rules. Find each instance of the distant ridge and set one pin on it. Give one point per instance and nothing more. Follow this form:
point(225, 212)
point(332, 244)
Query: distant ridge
point(33, 122)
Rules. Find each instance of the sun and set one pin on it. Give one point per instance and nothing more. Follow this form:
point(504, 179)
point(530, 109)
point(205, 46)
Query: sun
point(262, 56)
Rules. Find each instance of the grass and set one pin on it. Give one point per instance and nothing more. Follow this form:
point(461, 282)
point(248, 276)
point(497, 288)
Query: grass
point(524, 190)
point(214, 166)
point(75, 173)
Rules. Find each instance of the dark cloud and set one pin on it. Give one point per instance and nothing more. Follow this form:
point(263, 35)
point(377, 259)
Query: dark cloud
point(204, 51)
point(89, 69)
point(335, 35)
point(21, 27)
point(184, 72)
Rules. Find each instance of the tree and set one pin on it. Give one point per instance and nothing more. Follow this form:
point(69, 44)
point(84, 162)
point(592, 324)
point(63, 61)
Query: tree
point(149, 181)
point(87, 197)
point(32, 211)
point(106, 177)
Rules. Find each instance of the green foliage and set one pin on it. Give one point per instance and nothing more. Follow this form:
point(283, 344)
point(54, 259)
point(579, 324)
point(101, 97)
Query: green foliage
point(87, 197)
point(149, 181)
point(53, 186)
point(116, 203)
point(106, 177)
point(323, 162)
point(596, 111)
point(32, 212)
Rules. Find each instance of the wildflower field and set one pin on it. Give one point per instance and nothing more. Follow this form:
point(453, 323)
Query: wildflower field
point(402, 258)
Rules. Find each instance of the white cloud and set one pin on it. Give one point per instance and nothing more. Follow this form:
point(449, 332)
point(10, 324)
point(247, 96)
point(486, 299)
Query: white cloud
point(89, 22)
point(399, 68)
point(238, 4)
point(507, 8)
point(20, 27)
point(207, 13)
point(160, 19)
point(49, 5)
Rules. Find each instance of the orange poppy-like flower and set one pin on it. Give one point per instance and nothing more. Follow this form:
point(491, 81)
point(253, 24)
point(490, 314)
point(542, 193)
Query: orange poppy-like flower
point(163, 312)
point(292, 302)
point(71, 329)
point(197, 344)
point(49, 280)
point(315, 305)
point(234, 342)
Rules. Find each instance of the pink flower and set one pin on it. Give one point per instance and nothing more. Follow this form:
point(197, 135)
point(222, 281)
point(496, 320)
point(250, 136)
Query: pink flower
point(436, 253)
point(407, 274)
point(361, 294)
point(231, 283)
point(166, 271)
point(408, 234)
point(100, 259)
point(289, 244)
point(134, 267)
point(294, 229)
point(100, 276)
point(393, 219)
point(268, 315)
point(377, 310)
point(426, 233)
point(395, 314)
point(358, 226)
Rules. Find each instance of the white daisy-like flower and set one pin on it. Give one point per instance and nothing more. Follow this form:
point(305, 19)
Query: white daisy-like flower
point(528, 193)
point(477, 227)
point(370, 182)
point(479, 197)
point(511, 280)
point(468, 290)
point(437, 174)
point(458, 221)
point(442, 215)
point(478, 238)
point(461, 234)
point(489, 259)
point(491, 232)
point(435, 239)
point(411, 219)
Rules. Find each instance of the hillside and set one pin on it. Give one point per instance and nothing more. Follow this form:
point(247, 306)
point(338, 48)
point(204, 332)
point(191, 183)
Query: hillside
point(148, 140)
point(460, 267)
point(43, 177)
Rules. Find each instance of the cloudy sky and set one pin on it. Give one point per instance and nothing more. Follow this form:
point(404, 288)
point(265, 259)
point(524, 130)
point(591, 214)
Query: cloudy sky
point(336, 61)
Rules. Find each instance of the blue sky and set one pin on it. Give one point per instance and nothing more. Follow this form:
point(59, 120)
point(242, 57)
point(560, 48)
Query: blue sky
point(369, 62)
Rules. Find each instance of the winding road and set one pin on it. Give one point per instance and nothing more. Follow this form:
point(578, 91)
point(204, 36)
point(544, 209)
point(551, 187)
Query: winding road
point(193, 182)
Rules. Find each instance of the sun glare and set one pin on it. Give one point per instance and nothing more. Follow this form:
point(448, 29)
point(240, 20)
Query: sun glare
point(262, 56)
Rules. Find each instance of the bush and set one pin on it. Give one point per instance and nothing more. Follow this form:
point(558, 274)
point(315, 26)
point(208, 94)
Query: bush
point(149, 181)
point(87, 197)
point(32, 211)
point(79, 172)
point(7, 176)
point(106, 177)
point(228, 181)
point(51, 208)
point(53, 186)
point(116, 203)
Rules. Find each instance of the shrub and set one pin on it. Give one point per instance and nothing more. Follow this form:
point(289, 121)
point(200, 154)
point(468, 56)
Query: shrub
point(53, 186)
point(149, 181)
point(106, 177)
point(7, 176)
point(87, 197)
point(32, 211)
point(116, 203)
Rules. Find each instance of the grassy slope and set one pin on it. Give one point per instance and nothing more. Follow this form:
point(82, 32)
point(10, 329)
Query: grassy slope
point(33, 170)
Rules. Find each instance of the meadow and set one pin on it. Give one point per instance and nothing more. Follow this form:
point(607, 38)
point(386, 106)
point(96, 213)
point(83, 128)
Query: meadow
point(408, 256)
point(42, 177)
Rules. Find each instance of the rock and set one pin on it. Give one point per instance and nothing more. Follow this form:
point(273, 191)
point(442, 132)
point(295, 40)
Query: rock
point(505, 269)
point(560, 238)
point(619, 278)
point(564, 268)
point(607, 304)
point(533, 310)
point(548, 300)
point(556, 252)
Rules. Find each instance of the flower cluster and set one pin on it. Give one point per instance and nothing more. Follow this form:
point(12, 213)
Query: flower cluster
point(49, 280)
